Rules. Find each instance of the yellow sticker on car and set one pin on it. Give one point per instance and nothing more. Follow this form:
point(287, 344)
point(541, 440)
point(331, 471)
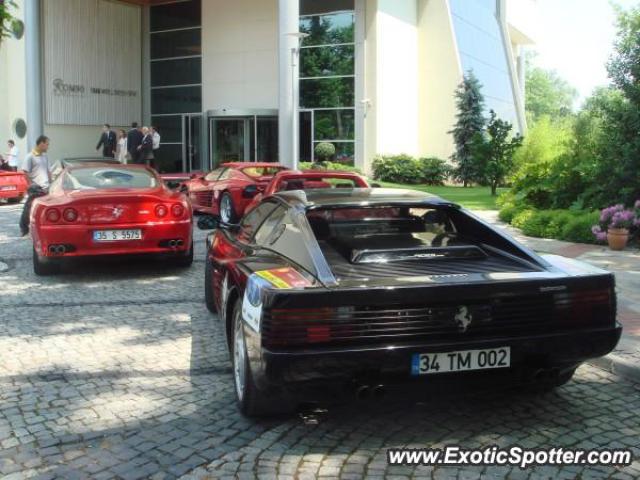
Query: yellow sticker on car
point(283, 278)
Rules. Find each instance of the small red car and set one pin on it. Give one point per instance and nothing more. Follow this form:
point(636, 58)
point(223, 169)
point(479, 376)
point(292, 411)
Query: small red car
point(227, 190)
point(13, 186)
point(105, 209)
point(308, 179)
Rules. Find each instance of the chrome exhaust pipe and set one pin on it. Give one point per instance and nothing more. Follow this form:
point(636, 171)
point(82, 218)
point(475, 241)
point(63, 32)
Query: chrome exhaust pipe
point(363, 392)
point(379, 391)
point(179, 243)
point(53, 248)
point(172, 243)
point(61, 249)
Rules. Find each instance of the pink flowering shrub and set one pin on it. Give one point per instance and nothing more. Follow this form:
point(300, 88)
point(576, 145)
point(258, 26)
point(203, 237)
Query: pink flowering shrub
point(616, 216)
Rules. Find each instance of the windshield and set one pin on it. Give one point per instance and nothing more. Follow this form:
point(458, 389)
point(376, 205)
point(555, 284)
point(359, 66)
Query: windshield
point(256, 172)
point(105, 177)
point(302, 182)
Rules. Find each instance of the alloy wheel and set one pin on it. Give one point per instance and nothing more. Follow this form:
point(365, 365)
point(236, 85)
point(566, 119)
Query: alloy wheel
point(239, 357)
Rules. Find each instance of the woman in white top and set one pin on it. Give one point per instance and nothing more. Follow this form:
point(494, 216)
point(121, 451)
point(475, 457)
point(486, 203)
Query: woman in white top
point(121, 147)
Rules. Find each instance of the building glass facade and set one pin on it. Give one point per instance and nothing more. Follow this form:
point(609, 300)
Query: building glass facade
point(175, 45)
point(327, 77)
point(482, 50)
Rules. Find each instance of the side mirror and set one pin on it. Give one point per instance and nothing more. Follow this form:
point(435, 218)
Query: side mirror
point(376, 185)
point(209, 240)
point(208, 222)
point(250, 191)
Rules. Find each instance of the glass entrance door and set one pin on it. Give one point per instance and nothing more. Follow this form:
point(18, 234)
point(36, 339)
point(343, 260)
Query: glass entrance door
point(244, 139)
point(192, 158)
point(231, 140)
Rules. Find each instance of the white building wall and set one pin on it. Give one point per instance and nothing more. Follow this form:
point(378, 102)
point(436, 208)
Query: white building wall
point(12, 87)
point(440, 74)
point(397, 91)
point(239, 54)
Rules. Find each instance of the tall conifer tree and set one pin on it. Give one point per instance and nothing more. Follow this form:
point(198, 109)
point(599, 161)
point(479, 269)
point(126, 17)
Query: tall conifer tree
point(469, 122)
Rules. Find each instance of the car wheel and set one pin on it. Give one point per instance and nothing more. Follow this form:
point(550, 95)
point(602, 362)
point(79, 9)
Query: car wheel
point(227, 209)
point(14, 200)
point(251, 401)
point(208, 289)
point(184, 260)
point(43, 266)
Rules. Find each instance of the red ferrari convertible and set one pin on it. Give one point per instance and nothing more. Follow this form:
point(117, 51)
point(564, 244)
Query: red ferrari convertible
point(308, 179)
point(104, 209)
point(227, 190)
point(13, 186)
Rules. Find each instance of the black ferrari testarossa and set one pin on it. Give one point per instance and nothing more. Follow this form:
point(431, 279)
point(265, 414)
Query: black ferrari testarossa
point(365, 290)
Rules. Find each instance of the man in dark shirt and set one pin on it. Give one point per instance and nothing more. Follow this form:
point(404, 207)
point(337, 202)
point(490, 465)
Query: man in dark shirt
point(107, 141)
point(134, 140)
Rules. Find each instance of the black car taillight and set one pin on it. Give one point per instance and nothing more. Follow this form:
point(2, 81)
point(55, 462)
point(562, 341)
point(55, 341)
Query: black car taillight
point(586, 307)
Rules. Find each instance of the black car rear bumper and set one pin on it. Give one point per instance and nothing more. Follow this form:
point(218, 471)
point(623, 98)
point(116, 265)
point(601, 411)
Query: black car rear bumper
point(298, 372)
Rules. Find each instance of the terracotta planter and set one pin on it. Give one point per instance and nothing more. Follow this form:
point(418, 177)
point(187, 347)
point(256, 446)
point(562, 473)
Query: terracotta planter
point(617, 238)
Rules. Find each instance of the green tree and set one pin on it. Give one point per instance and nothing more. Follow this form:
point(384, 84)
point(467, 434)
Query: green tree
point(494, 150)
point(469, 122)
point(617, 176)
point(7, 21)
point(546, 93)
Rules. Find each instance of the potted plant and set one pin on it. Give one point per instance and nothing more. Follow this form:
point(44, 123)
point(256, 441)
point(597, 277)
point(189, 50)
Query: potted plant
point(614, 226)
point(324, 151)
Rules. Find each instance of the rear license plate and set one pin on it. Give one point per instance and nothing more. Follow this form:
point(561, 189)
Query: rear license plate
point(8, 187)
point(460, 361)
point(116, 235)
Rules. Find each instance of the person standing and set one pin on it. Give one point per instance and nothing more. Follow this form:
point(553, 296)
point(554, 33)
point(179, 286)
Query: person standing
point(155, 136)
point(134, 140)
point(36, 166)
point(146, 147)
point(107, 141)
point(121, 148)
point(12, 156)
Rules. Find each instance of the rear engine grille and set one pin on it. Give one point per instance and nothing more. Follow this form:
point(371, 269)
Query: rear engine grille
point(344, 270)
point(505, 316)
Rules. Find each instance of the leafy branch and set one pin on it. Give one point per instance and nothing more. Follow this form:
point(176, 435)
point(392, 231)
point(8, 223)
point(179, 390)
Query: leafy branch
point(7, 21)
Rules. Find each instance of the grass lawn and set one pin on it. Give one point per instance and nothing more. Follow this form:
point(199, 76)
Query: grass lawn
point(473, 198)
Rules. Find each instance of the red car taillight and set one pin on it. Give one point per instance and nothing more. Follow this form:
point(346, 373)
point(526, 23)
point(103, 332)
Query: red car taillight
point(161, 211)
point(70, 214)
point(305, 325)
point(53, 215)
point(177, 210)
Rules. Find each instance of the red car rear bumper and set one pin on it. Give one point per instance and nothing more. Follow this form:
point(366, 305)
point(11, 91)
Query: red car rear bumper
point(20, 191)
point(78, 239)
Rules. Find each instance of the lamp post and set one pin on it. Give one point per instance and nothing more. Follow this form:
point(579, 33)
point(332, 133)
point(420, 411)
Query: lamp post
point(295, 94)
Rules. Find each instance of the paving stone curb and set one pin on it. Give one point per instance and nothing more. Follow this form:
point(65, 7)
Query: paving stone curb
point(623, 361)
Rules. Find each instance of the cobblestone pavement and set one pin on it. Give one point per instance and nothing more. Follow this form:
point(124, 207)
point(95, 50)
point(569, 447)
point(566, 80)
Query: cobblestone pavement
point(118, 371)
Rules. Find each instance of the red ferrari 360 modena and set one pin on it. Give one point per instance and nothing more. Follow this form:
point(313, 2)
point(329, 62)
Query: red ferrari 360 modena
point(105, 209)
point(227, 190)
point(13, 186)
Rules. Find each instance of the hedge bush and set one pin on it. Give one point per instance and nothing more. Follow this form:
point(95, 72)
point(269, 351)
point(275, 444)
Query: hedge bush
point(568, 225)
point(407, 169)
point(341, 167)
point(578, 229)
